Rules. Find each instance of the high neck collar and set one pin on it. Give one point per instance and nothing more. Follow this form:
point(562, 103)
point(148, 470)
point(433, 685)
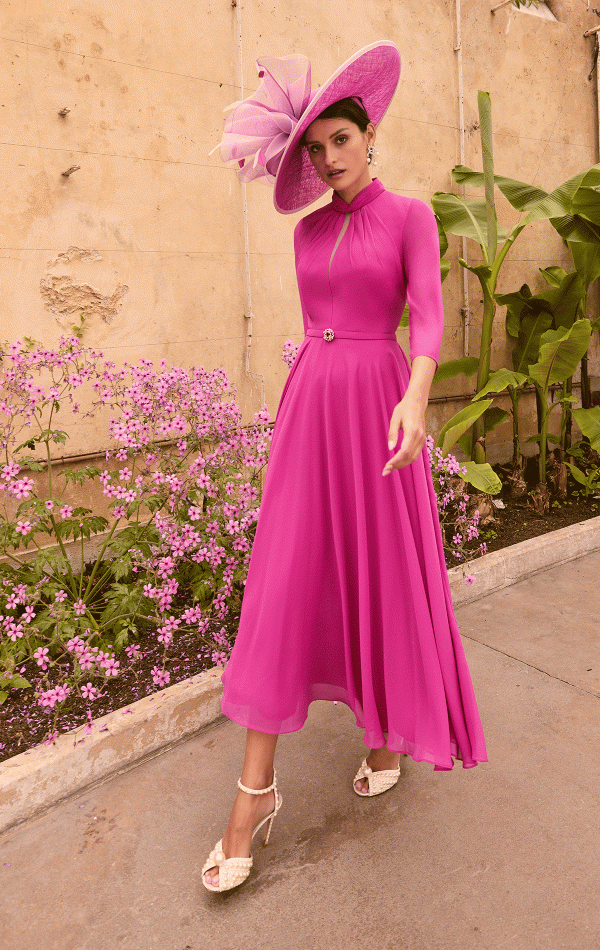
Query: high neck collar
point(364, 197)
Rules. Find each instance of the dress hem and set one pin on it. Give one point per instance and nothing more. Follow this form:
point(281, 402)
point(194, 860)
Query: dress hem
point(372, 742)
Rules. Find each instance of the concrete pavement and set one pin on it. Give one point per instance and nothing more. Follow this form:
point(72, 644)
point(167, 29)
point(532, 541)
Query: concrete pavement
point(506, 855)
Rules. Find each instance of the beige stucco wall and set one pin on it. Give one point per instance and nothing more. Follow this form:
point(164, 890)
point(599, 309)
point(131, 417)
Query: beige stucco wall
point(147, 237)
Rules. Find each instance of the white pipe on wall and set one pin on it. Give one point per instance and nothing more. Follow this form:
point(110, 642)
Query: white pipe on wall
point(461, 115)
point(249, 312)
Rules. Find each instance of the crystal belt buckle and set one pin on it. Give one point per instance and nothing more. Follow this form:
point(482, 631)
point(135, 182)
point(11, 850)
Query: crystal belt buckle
point(328, 334)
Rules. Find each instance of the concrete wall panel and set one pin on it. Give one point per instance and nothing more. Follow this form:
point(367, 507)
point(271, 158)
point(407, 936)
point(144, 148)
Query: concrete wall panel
point(147, 237)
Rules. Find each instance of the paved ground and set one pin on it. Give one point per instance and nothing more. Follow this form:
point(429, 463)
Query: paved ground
point(502, 857)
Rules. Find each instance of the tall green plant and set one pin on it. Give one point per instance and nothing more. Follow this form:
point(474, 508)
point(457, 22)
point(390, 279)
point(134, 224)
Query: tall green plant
point(571, 209)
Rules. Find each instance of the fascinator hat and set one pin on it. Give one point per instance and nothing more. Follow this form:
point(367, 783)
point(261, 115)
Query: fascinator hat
point(262, 133)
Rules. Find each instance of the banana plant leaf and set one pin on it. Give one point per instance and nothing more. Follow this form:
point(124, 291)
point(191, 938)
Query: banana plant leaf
point(588, 421)
point(464, 217)
point(565, 299)
point(561, 206)
point(515, 303)
point(553, 275)
point(560, 353)
point(467, 366)
point(572, 227)
point(492, 418)
point(482, 476)
point(521, 196)
point(500, 380)
point(459, 423)
point(586, 258)
point(532, 327)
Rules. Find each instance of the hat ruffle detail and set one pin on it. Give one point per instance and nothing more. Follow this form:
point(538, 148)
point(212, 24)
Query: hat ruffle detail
point(258, 129)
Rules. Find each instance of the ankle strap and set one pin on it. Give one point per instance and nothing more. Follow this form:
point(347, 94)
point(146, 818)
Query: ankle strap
point(259, 791)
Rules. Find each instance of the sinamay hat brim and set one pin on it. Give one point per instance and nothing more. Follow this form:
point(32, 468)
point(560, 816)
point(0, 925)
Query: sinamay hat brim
point(372, 74)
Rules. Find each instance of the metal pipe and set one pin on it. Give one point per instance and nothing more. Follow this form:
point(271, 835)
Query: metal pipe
point(464, 311)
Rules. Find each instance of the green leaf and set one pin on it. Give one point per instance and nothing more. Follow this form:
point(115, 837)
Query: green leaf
point(443, 238)
point(500, 380)
point(516, 303)
point(554, 275)
point(586, 200)
point(19, 681)
point(483, 477)
point(493, 418)
point(521, 195)
point(588, 421)
point(466, 366)
point(3, 697)
point(560, 354)
point(577, 474)
point(565, 299)
point(459, 423)
point(404, 318)
point(484, 105)
point(531, 330)
point(464, 217)
point(586, 258)
point(466, 443)
point(572, 227)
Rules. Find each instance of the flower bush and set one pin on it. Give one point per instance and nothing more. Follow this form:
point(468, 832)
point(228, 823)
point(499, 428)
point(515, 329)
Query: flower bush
point(460, 529)
point(181, 492)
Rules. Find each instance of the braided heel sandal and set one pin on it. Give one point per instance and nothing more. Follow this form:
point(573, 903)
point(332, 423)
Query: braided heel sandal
point(379, 781)
point(234, 871)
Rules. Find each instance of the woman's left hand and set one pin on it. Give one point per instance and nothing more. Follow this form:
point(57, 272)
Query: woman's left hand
point(410, 417)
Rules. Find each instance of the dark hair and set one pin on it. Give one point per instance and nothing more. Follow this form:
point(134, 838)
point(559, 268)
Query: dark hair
point(347, 108)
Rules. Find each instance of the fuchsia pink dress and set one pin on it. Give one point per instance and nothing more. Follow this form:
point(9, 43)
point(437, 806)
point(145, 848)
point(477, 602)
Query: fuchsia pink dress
point(347, 596)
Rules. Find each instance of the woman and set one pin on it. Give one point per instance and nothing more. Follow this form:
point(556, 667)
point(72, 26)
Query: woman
point(347, 596)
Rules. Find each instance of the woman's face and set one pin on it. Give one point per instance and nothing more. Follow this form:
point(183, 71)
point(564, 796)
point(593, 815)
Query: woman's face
point(338, 152)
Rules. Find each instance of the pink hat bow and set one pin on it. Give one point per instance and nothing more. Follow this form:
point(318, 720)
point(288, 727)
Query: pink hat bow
point(261, 125)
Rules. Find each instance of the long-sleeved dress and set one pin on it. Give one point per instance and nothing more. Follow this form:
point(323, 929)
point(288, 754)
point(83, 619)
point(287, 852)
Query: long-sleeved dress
point(347, 595)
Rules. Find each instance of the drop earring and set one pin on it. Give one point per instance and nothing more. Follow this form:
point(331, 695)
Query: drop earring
point(371, 160)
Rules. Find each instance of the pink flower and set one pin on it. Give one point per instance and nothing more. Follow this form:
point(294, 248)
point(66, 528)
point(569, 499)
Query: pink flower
point(111, 666)
point(470, 579)
point(41, 657)
point(89, 692)
point(66, 511)
point(60, 596)
point(79, 608)
point(160, 677)
point(49, 505)
point(23, 527)
point(22, 488)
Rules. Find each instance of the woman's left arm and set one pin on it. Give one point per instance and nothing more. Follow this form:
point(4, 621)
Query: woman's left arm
point(409, 415)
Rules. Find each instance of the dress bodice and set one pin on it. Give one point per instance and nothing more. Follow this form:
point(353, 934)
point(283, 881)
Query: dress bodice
point(358, 263)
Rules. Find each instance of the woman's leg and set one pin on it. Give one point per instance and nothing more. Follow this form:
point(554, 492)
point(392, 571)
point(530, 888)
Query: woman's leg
point(248, 810)
point(379, 760)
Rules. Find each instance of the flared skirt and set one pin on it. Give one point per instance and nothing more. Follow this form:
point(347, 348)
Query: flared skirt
point(347, 595)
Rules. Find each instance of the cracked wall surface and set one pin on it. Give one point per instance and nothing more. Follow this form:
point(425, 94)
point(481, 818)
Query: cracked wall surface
point(112, 207)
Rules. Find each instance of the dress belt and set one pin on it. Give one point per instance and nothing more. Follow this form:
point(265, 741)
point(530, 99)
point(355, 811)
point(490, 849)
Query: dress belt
point(330, 334)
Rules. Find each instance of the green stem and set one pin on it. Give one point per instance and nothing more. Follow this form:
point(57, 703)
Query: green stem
point(99, 558)
point(514, 398)
point(82, 568)
point(71, 578)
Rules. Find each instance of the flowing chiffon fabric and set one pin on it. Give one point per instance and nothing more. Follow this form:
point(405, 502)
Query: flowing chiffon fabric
point(347, 595)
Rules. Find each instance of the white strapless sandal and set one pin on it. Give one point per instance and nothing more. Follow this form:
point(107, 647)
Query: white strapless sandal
point(234, 871)
point(379, 781)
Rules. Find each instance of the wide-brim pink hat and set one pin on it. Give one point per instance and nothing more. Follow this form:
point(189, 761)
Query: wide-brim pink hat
point(262, 133)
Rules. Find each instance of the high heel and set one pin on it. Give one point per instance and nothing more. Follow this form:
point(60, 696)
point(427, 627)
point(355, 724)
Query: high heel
point(379, 781)
point(234, 871)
